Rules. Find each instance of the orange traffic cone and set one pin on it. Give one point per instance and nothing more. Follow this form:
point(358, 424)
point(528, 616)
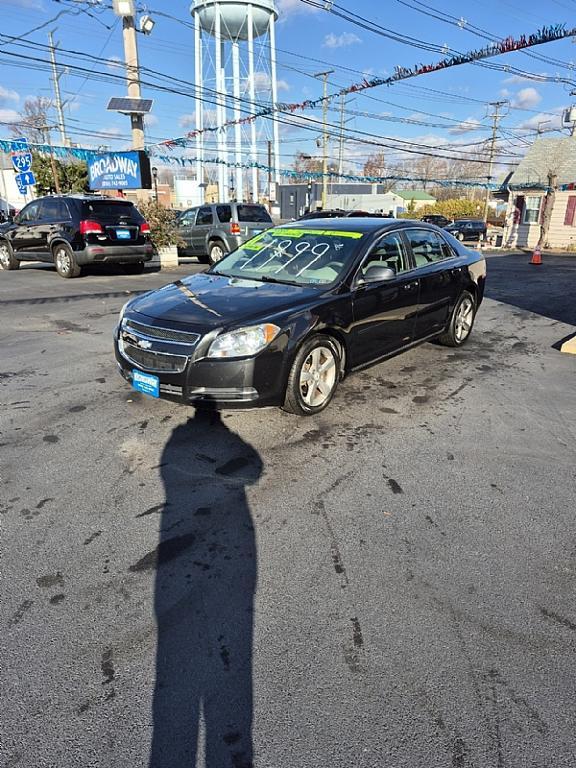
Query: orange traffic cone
point(536, 257)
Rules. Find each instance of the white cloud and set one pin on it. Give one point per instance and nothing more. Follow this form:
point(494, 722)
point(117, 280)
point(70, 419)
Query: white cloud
point(188, 121)
point(466, 126)
point(151, 120)
point(114, 63)
point(288, 8)
point(7, 95)
point(111, 131)
point(340, 41)
point(515, 79)
point(9, 116)
point(544, 120)
point(526, 98)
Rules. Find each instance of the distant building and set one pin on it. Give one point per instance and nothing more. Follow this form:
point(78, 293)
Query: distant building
point(296, 199)
point(525, 190)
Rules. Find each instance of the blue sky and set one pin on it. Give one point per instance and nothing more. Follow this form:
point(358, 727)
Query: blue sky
point(309, 40)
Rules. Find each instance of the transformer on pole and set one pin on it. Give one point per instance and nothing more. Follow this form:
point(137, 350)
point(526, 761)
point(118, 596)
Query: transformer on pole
point(235, 76)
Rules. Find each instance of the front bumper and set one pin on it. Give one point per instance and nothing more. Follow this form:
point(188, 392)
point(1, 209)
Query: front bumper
point(114, 254)
point(194, 378)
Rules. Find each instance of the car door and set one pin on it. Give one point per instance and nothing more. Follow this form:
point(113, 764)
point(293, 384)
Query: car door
point(22, 235)
point(47, 222)
point(440, 271)
point(384, 313)
point(185, 226)
point(204, 221)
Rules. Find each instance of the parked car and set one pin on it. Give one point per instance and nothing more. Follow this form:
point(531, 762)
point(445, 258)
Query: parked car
point(436, 218)
point(216, 229)
point(467, 229)
point(335, 213)
point(282, 319)
point(71, 231)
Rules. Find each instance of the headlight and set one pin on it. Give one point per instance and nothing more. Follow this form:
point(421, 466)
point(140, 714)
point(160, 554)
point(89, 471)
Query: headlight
point(243, 342)
point(122, 311)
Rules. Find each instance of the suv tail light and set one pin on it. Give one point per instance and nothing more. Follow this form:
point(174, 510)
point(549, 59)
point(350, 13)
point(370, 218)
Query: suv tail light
point(145, 228)
point(89, 227)
point(235, 228)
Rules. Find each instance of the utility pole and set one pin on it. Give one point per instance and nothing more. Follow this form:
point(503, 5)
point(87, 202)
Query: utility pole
point(573, 129)
point(324, 75)
point(269, 177)
point(46, 133)
point(496, 117)
point(57, 97)
point(343, 104)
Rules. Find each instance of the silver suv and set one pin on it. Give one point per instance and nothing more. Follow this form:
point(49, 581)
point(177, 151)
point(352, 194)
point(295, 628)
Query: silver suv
point(216, 229)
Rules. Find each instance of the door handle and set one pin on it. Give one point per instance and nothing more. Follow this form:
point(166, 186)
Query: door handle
point(409, 286)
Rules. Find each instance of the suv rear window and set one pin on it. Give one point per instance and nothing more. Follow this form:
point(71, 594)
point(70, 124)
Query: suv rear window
point(224, 213)
point(110, 211)
point(252, 213)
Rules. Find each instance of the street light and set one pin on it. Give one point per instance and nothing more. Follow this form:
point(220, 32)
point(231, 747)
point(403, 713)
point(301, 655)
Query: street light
point(146, 24)
point(155, 177)
point(124, 7)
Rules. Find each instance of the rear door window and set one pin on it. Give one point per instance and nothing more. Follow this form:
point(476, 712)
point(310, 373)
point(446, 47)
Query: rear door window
point(51, 210)
point(111, 212)
point(30, 213)
point(253, 213)
point(224, 213)
point(204, 216)
point(427, 247)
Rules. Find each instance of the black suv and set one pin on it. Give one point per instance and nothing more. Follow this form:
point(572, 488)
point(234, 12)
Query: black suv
point(467, 229)
point(75, 230)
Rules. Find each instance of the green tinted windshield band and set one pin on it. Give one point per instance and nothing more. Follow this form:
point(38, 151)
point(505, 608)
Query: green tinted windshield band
point(304, 232)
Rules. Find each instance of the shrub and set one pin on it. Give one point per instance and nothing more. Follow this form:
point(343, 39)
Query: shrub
point(163, 229)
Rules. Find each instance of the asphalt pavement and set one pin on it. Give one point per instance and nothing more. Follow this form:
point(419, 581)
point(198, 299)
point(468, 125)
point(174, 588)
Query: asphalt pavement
point(390, 583)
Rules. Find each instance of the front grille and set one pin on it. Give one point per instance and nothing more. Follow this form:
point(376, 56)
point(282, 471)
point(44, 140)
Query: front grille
point(165, 334)
point(153, 361)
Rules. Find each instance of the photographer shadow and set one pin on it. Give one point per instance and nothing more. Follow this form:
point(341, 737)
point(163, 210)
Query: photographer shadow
point(206, 570)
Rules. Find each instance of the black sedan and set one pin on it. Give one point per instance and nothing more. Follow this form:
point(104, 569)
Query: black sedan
point(282, 319)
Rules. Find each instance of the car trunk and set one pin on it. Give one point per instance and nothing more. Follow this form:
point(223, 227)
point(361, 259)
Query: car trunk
point(120, 222)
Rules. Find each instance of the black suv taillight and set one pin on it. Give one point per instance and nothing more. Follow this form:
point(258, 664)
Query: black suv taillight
point(90, 227)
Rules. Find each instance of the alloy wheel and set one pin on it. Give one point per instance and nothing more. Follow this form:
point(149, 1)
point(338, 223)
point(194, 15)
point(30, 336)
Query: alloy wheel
point(63, 261)
point(464, 319)
point(216, 253)
point(4, 256)
point(318, 376)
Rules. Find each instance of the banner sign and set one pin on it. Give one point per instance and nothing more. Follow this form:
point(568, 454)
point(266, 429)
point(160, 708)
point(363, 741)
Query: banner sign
point(119, 170)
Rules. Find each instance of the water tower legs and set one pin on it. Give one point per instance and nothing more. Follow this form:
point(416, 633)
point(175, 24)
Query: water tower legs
point(237, 128)
point(252, 87)
point(276, 141)
point(198, 81)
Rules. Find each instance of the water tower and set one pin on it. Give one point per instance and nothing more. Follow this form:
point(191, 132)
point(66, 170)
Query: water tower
point(235, 68)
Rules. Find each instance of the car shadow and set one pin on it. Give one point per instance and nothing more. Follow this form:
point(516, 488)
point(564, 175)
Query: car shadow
point(543, 289)
point(206, 569)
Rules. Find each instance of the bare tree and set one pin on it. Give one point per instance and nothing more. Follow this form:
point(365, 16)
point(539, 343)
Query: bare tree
point(33, 117)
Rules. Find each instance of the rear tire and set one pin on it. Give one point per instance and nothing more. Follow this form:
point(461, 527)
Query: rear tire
point(314, 377)
point(461, 322)
point(216, 252)
point(133, 268)
point(7, 259)
point(65, 262)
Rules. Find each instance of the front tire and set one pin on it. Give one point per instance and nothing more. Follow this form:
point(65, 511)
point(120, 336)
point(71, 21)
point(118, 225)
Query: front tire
point(65, 262)
point(314, 377)
point(216, 252)
point(461, 322)
point(7, 259)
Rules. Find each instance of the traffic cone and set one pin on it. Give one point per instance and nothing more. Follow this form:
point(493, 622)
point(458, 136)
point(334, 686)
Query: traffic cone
point(536, 256)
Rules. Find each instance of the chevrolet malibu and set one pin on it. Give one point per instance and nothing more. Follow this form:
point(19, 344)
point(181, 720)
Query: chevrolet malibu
point(281, 320)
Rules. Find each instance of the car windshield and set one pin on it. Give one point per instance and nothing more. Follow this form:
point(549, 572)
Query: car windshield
point(296, 256)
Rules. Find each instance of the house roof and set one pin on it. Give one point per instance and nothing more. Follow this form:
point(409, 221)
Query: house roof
point(557, 155)
point(413, 194)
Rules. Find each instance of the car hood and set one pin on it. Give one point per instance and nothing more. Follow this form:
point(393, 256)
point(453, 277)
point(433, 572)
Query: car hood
point(213, 301)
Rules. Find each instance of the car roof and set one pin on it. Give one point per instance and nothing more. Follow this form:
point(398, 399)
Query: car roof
point(360, 224)
point(86, 198)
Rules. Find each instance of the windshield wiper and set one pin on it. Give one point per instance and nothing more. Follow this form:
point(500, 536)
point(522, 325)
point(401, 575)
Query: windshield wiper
point(268, 279)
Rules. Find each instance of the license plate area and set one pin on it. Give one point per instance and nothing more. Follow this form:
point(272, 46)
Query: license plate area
point(146, 383)
point(123, 234)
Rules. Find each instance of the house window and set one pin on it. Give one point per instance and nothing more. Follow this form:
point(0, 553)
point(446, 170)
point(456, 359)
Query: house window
point(532, 210)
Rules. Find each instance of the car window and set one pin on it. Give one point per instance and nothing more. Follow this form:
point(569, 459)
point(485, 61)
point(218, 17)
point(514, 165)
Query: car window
point(427, 247)
point(188, 217)
point(224, 213)
point(302, 256)
point(253, 213)
point(30, 213)
point(110, 211)
point(388, 252)
point(204, 216)
point(50, 210)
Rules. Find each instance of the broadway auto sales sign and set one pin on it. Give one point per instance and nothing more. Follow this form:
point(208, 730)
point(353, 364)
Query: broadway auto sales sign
point(116, 170)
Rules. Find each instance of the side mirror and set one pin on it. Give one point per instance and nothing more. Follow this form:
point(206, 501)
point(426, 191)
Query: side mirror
point(377, 274)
